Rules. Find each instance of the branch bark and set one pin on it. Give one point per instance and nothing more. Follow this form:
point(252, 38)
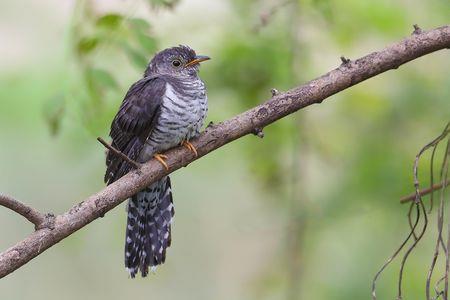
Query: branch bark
point(32, 215)
point(215, 136)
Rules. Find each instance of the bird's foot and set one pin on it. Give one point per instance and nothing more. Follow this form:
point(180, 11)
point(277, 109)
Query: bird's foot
point(161, 158)
point(190, 147)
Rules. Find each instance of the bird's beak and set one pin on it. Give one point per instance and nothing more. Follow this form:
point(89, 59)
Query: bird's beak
point(198, 59)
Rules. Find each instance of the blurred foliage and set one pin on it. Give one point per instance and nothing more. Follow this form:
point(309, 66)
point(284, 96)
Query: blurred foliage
point(163, 3)
point(263, 62)
point(93, 34)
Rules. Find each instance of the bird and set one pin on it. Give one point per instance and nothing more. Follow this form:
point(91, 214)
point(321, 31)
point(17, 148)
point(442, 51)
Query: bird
point(165, 108)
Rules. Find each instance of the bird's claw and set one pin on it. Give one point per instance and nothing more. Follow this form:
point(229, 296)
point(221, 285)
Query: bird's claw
point(161, 158)
point(190, 147)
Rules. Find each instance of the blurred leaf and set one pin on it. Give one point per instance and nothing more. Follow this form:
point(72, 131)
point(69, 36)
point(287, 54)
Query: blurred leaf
point(87, 44)
point(140, 24)
point(139, 60)
point(325, 7)
point(147, 43)
point(103, 78)
point(109, 21)
point(163, 3)
point(53, 113)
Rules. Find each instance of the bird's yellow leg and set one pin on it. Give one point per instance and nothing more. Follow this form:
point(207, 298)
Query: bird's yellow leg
point(161, 158)
point(191, 147)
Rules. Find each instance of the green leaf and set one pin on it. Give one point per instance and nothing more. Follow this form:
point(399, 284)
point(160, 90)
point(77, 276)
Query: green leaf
point(109, 21)
point(87, 44)
point(139, 60)
point(140, 24)
point(103, 78)
point(147, 43)
point(53, 113)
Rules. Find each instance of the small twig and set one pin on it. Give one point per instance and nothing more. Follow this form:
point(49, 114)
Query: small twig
point(266, 16)
point(345, 60)
point(411, 197)
point(393, 256)
point(417, 29)
point(135, 164)
point(274, 92)
point(258, 132)
point(24, 210)
point(410, 221)
point(210, 126)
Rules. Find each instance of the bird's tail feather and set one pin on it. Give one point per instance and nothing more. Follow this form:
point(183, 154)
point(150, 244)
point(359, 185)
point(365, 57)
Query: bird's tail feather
point(150, 214)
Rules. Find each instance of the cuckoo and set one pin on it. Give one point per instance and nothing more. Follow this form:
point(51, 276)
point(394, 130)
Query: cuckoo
point(166, 108)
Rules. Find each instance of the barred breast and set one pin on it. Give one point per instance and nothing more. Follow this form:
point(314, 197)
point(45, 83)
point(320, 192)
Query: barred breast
point(183, 111)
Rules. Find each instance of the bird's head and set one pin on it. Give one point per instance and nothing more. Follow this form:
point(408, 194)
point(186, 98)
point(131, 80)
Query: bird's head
point(177, 61)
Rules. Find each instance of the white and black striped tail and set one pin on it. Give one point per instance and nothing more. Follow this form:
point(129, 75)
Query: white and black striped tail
point(150, 214)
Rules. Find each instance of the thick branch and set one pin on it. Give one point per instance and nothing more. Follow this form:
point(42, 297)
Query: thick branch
point(279, 106)
point(26, 211)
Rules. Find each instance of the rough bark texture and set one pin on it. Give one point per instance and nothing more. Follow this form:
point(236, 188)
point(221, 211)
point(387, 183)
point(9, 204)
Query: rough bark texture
point(24, 210)
point(347, 74)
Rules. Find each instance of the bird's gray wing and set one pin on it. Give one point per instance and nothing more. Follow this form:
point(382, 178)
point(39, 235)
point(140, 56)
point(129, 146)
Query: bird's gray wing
point(133, 123)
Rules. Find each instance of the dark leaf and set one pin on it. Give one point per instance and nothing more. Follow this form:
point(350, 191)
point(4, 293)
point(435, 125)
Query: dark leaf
point(87, 44)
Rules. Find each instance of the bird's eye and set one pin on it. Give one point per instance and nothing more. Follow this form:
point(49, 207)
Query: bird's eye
point(176, 63)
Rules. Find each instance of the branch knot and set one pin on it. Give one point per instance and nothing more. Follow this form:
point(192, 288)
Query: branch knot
point(417, 29)
point(47, 223)
point(345, 61)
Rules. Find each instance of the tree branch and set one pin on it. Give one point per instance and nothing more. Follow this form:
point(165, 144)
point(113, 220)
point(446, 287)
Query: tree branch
point(215, 136)
point(411, 197)
point(32, 215)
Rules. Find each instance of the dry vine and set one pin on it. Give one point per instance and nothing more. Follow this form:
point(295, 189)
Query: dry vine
point(421, 212)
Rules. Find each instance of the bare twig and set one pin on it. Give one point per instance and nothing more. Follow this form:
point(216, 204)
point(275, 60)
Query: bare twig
point(411, 197)
point(135, 164)
point(274, 92)
point(258, 132)
point(266, 16)
point(417, 29)
point(24, 210)
point(433, 153)
point(444, 176)
point(393, 256)
point(410, 221)
point(223, 133)
point(345, 60)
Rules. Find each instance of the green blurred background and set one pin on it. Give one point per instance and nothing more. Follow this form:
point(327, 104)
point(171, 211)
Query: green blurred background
point(309, 212)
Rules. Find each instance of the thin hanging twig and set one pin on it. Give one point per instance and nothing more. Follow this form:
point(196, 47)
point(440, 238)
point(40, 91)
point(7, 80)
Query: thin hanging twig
point(440, 222)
